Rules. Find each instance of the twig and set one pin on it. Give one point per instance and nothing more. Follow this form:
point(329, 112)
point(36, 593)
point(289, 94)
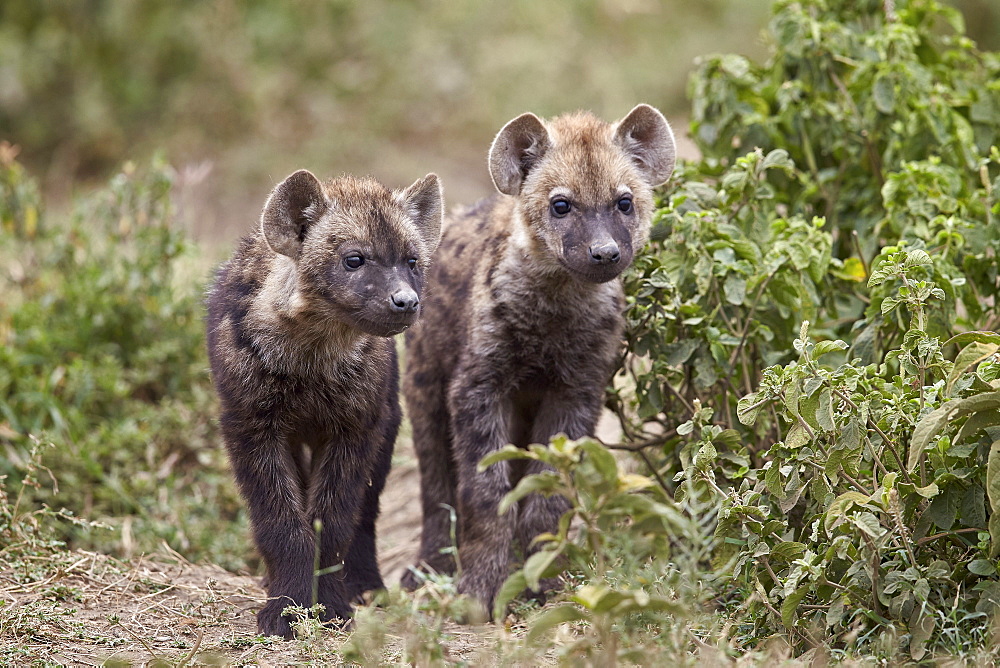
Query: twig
point(677, 394)
point(656, 473)
point(636, 447)
point(190, 655)
point(861, 256)
point(927, 539)
point(141, 640)
point(749, 320)
point(885, 437)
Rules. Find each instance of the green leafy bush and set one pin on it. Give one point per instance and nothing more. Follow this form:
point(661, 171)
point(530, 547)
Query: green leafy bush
point(103, 354)
point(811, 348)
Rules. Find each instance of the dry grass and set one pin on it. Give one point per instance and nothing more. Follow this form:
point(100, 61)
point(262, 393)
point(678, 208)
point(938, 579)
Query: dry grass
point(93, 610)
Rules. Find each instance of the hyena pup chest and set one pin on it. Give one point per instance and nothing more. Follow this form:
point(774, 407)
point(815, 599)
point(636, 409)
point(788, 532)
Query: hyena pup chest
point(545, 348)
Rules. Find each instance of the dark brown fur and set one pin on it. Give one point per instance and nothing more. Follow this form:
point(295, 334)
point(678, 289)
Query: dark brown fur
point(308, 379)
point(523, 325)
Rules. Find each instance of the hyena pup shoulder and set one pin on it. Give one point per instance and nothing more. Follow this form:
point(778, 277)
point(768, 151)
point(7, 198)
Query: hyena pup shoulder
point(299, 321)
point(523, 326)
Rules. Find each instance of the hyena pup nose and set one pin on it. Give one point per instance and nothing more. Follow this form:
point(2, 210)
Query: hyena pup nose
point(404, 301)
point(605, 252)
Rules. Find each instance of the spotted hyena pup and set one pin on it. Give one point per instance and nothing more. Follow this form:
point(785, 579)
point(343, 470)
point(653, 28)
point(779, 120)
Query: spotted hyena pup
point(523, 325)
point(299, 327)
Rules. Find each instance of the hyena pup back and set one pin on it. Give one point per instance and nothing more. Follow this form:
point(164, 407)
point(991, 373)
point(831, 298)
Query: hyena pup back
point(298, 327)
point(524, 324)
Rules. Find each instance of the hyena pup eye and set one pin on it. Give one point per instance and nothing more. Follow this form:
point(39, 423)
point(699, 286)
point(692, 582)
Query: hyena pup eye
point(354, 261)
point(560, 207)
point(412, 263)
point(625, 204)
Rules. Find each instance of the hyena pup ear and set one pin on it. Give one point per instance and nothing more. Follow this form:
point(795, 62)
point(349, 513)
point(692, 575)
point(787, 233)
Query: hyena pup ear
point(293, 205)
point(516, 150)
point(645, 135)
point(424, 202)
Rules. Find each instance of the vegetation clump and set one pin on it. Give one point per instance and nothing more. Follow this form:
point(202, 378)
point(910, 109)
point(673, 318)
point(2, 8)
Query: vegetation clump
point(811, 354)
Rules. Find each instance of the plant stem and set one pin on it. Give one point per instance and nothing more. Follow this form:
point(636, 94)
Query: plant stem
point(943, 534)
point(749, 320)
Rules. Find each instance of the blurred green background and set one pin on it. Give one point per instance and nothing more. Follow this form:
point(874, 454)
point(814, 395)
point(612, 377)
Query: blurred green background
point(240, 93)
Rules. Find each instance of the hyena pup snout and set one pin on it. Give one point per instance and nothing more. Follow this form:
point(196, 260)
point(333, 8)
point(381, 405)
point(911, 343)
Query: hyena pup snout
point(596, 247)
point(404, 300)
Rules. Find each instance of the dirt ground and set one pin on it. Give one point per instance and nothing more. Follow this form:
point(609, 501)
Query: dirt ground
point(163, 609)
point(92, 610)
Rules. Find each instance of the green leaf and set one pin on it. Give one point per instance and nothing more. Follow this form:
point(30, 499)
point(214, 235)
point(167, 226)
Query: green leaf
point(788, 551)
point(868, 523)
point(553, 617)
point(539, 566)
point(778, 158)
point(921, 628)
point(511, 588)
point(933, 422)
point(884, 94)
point(924, 431)
point(982, 567)
point(973, 507)
point(916, 258)
point(598, 598)
point(735, 288)
point(679, 352)
point(993, 478)
point(791, 604)
point(503, 454)
point(748, 408)
point(835, 514)
point(792, 393)
point(602, 459)
point(970, 356)
point(546, 481)
point(994, 529)
point(976, 423)
point(824, 347)
point(835, 612)
point(850, 435)
point(888, 304)
point(942, 511)
point(977, 337)
point(824, 411)
point(797, 436)
point(772, 479)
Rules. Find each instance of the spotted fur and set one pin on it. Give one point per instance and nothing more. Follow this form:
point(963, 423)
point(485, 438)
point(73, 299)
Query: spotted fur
point(523, 325)
point(307, 376)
